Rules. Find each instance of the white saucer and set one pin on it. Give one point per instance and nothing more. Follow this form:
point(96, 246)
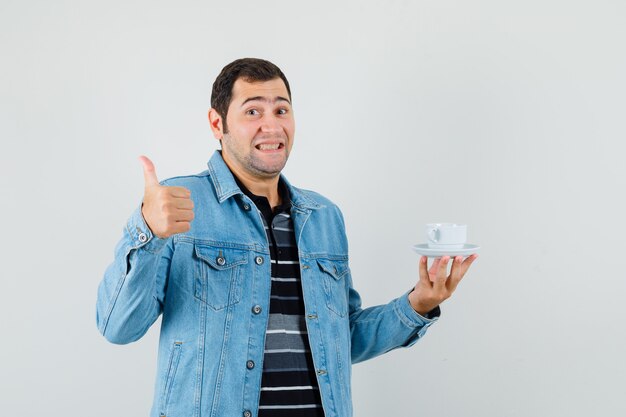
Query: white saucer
point(466, 250)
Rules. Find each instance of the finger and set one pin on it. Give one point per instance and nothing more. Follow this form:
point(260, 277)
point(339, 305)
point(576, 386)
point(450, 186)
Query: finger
point(455, 273)
point(181, 227)
point(149, 173)
point(184, 215)
point(183, 203)
point(434, 267)
point(424, 278)
point(466, 264)
point(460, 271)
point(179, 192)
point(442, 273)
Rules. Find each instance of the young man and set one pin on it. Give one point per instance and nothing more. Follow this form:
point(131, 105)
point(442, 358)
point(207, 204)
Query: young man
point(260, 317)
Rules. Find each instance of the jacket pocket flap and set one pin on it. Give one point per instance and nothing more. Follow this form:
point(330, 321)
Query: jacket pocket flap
point(335, 268)
point(221, 258)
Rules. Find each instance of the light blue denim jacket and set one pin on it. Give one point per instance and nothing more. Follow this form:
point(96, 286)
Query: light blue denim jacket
point(212, 285)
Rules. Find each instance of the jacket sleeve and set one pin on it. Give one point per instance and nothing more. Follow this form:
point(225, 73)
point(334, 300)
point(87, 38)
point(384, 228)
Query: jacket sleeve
point(379, 329)
point(131, 294)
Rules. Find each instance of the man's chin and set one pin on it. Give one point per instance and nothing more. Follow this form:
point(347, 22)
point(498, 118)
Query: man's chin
point(269, 170)
point(266, 172)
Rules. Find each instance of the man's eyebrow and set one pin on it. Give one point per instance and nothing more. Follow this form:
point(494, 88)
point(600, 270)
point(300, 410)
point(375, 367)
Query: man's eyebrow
point(261, 98)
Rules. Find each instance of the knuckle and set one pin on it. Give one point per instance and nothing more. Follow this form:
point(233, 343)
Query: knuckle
point(167, 208)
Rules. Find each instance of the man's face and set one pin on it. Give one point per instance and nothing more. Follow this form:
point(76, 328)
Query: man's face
point(260, 128)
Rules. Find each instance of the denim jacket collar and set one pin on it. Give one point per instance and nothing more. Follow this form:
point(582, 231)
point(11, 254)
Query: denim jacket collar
point(226, 186)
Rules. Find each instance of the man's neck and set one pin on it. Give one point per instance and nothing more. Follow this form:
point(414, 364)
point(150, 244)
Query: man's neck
point(264, 187)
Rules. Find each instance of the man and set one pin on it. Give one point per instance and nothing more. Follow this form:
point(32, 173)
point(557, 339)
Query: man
point(260, 317)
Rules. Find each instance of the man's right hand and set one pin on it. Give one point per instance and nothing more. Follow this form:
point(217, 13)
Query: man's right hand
point(167, 210)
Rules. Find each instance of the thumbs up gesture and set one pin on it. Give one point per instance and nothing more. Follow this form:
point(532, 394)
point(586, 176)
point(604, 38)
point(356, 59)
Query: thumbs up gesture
point(167, 210)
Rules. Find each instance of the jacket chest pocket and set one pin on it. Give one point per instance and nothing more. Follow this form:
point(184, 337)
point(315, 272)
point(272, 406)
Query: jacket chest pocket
point(334, 279)
point(218, 273)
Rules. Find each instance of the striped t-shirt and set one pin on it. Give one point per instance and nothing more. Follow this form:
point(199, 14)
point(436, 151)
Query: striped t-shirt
point(288, 385)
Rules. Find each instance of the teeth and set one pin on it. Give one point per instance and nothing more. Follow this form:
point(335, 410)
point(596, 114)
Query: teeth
point(267, 147)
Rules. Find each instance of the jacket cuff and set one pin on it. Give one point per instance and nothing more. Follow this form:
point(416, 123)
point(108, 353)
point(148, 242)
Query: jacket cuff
point(412, 318)
point(140, 234)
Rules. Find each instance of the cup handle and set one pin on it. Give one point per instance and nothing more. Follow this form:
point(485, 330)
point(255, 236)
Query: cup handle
point(433, 235)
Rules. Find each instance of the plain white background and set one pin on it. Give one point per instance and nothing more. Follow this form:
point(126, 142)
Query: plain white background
point(505, 115)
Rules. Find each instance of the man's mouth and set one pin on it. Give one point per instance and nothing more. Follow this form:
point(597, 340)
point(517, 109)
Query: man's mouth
point(269, 146)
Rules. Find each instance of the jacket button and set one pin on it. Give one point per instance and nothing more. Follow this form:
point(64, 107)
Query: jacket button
point(246, 207)
point(250, 364)
point(259, 260)
point(256, 309)
point(220, 261)
point(142, 237)
point(247, 413)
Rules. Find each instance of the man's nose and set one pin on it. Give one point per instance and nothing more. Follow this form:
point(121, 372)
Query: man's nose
point(270, 124)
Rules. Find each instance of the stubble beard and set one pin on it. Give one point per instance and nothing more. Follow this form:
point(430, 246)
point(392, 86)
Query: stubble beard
point(254, 165)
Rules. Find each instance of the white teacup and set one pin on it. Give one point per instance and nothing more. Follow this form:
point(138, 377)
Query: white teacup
point(446, 235)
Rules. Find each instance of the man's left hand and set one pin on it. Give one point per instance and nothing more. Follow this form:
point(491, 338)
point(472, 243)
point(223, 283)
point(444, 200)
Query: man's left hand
point(434, 285)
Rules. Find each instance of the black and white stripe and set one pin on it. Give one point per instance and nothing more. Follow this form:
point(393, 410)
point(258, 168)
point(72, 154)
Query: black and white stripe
point(288, 385)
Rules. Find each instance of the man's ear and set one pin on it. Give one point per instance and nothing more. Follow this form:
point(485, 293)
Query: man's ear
point(215, 120)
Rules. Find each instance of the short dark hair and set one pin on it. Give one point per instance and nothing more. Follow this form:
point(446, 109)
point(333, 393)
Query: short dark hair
point(248, 69)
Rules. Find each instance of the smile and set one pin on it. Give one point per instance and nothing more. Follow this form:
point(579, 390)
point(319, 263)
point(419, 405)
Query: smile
point(269, 146)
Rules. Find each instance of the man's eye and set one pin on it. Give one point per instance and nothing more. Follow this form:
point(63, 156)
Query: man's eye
point(252, 112)
point(282, 111)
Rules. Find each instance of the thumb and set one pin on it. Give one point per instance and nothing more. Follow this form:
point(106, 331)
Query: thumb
point(149, 174)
